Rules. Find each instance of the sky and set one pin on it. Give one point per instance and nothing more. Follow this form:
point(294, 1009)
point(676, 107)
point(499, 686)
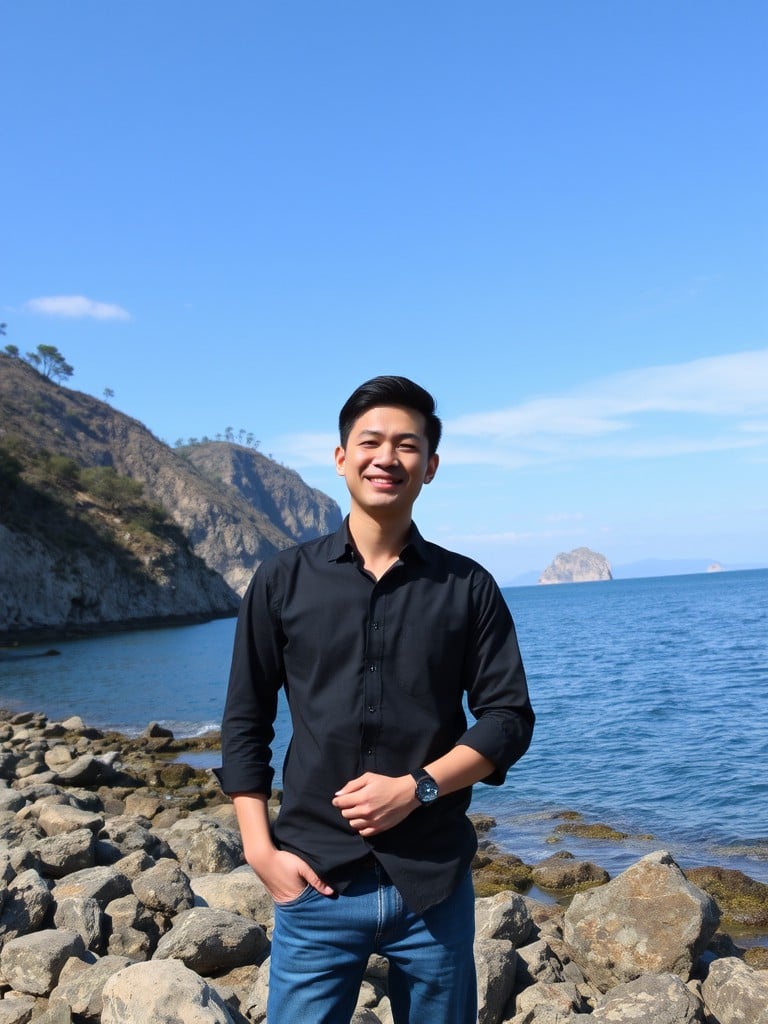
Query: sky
point(552, 215)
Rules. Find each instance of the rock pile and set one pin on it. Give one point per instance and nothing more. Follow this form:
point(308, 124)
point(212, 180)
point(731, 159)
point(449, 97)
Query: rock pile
point(124, 900)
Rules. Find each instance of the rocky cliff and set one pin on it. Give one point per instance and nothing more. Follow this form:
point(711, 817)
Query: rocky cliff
point(227, 508)
point(578, 566)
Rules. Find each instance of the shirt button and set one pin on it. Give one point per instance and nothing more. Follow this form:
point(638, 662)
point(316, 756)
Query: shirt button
point(373, 668)
point(371, 708)
point(369, 750)
point(374, 625)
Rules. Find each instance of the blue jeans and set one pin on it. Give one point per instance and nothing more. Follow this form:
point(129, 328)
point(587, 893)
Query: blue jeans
point(321, 945)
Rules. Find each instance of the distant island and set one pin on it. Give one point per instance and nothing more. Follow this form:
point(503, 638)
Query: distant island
point(582, 565)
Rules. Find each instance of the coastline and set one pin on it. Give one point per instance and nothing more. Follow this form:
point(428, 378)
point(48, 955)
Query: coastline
point(125, 878)
point(18, 639)
point(574, 863)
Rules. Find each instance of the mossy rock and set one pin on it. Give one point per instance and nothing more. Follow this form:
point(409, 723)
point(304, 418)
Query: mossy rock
point(564, 874)
point(757, 957)
point(499, 872)
point(483, 823)
point(584, 830)
point(743, 902)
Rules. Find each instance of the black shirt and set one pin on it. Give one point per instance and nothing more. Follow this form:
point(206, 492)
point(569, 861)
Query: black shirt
point(374, 673)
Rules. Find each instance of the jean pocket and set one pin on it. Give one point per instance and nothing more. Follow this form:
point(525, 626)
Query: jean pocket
point(303, 896)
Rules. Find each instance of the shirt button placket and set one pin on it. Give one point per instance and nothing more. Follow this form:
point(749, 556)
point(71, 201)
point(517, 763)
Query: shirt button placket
point(371, 695)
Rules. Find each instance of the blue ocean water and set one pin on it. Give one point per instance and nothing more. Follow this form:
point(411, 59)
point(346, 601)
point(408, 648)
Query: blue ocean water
point(650, 695)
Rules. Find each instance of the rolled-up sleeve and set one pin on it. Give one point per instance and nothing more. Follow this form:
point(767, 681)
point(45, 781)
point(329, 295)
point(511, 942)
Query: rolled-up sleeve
point(255, 678)
point(496, 685)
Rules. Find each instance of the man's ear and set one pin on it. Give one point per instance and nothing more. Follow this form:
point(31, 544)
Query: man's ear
point(339, 457)
point(432, 463)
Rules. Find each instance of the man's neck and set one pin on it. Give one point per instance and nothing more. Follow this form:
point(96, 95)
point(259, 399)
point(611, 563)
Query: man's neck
point(378, 541)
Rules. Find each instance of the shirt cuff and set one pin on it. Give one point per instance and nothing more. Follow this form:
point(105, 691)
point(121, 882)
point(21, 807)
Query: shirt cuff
point(237, 779)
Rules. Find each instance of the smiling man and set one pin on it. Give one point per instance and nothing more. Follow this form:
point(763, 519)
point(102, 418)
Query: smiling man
point(378, 636)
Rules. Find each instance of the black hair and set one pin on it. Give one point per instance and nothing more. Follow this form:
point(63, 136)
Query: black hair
point(390, 391)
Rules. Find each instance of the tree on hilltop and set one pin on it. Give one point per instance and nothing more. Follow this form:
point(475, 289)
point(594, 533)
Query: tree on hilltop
point(10, 350)
point(50, 362)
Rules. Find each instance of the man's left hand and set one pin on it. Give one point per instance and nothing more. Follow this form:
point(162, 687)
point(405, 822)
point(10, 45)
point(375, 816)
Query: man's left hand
point(374, 803)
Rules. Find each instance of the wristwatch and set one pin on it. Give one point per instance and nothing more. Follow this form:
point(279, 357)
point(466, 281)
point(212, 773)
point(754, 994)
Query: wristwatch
point(426, 788)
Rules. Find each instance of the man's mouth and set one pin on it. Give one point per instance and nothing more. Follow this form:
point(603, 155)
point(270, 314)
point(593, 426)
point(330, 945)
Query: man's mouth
point(382, 481)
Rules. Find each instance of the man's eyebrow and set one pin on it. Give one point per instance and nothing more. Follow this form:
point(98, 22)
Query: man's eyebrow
point(368, 432)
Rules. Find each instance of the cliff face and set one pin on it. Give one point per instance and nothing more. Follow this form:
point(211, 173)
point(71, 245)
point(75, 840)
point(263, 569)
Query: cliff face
point(227, 514)
point(578, 566)
point(277, 495)
point(49, 589)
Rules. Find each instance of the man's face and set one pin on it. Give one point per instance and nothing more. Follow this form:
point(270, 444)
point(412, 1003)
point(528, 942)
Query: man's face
point(386, 460)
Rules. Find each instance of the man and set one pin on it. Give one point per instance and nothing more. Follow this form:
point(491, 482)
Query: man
point(377, 636)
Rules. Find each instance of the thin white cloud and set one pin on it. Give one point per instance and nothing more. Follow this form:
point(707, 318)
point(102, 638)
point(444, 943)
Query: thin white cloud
point(303, 450)
point(722, 385)
point(705, 405)
point(76, 307)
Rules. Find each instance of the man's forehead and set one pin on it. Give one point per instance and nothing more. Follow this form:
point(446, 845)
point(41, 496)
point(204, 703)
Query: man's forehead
point(385, 418)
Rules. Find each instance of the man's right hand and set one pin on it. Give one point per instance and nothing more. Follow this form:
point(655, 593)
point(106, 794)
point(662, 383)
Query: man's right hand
point(286, 876)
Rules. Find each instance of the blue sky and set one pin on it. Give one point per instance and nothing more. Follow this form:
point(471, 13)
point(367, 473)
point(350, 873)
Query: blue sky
point(552, 215)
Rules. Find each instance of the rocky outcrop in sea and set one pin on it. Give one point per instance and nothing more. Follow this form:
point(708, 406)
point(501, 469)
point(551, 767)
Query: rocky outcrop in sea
point(578, 566)
point(124, 899)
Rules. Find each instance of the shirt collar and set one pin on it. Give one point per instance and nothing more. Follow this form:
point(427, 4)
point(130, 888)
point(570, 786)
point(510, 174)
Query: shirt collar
point(342, 549)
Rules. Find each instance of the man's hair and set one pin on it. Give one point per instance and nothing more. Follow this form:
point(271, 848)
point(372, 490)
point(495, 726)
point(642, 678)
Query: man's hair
point(390, 391)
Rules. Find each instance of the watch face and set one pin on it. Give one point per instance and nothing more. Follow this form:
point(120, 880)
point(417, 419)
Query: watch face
point(426, 790)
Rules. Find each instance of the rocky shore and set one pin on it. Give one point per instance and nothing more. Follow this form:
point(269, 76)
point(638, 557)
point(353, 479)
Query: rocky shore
point(124, 900)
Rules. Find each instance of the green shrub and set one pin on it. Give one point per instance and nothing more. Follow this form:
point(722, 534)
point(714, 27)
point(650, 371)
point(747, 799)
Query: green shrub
point(105, 484)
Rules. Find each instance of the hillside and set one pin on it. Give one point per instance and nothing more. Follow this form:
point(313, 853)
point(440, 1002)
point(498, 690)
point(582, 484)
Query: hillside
point(227, 507)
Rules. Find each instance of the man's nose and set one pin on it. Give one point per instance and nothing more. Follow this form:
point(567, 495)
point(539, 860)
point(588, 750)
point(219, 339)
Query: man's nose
point(387, 455)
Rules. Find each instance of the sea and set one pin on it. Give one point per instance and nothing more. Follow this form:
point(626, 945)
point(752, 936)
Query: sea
point(651, 698)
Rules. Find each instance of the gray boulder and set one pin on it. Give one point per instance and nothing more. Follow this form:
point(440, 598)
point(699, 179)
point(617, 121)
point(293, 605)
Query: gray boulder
point(651, 999)
point(495, 960)
point(61, 854)
point(127, 833)
point(164, 888)
point(240, 891)
point(32, 963)
point(648, 920)
point(16, 1008)
point(11, 800)
point(26, 903)
point(161, 992)
point(85, 770)
point(133, 929)
point(503, 916)
point(82, 915)
point(735, 993)
point(202, 846)
point(57, 818)
point(81, 984)
point(545, 996)
point(209, 941)
point(104, 884)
